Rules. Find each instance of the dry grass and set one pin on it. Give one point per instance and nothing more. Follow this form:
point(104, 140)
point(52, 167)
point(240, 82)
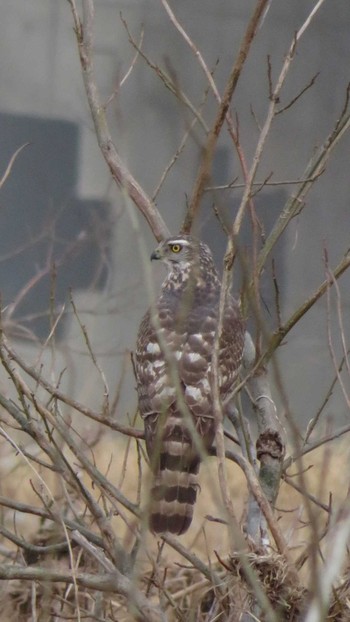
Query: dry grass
point(161, 571)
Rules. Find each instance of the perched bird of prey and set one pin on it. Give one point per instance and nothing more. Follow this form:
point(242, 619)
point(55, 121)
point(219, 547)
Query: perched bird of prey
point(173, 361)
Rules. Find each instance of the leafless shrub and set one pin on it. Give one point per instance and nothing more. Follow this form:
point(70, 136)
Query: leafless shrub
point(74, 539)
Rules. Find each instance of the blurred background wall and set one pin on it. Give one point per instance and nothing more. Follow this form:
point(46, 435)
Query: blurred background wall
point(60, 206)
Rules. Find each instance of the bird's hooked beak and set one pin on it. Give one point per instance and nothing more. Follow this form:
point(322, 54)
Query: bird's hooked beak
point(156, 254)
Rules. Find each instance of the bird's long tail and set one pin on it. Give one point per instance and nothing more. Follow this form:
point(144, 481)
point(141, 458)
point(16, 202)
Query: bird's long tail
point(175, 486)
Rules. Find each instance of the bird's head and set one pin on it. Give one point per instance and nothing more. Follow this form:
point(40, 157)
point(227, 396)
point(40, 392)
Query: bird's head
point(186, 258)
point(178, 251)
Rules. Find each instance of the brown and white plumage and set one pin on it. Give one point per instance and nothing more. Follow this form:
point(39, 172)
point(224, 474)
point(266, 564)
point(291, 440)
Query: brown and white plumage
point(174, 356)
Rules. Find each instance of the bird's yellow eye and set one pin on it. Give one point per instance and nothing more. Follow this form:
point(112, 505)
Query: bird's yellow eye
point(175, 248)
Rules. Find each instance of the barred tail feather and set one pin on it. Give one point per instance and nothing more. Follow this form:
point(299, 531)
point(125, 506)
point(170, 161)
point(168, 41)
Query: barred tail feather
point(174, 492)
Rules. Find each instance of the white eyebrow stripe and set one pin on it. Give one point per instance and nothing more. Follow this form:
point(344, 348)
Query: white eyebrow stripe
point(178, 241)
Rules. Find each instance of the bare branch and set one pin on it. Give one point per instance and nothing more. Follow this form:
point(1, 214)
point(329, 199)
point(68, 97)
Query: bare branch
point(113, 582)
point(315, 167)
point(53, 391)
point(233, 185)
point(126, 75)
point(255, 487)
point(274, 99)
point(277, 337)
point(337, 540)
point(119, 171)
point(9, 167)
point(299, 95)
point(203, 175)
point(309, 447)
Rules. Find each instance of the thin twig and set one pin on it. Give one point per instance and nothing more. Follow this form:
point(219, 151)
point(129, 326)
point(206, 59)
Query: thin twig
point(113, 582)
point(54, 392)
point(119, 171)
point(168, 82)
point(315, 168)
point(92, 354)
point(336, 540)
point(277, 337)
point(313, 422)
point(316, 444)
point(126, 75)
point(233, 185)
point(299, 95)
point(274, 99)
point(9, 167)
point(209, 148)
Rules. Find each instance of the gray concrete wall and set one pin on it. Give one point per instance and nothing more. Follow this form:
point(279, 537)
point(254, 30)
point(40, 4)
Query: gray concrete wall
point(40, 76)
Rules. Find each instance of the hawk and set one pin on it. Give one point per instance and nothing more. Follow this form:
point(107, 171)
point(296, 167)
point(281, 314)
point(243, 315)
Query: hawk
point(173, 361)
